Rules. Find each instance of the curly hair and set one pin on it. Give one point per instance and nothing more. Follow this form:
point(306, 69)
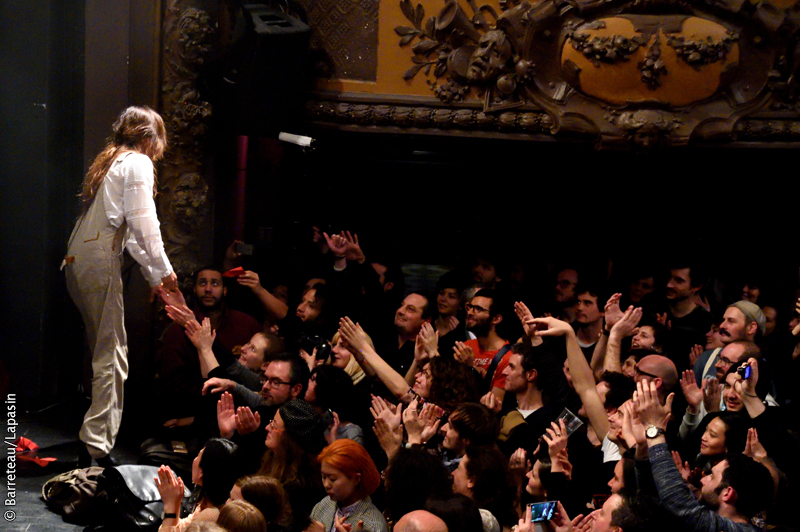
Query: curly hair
point(452, 384)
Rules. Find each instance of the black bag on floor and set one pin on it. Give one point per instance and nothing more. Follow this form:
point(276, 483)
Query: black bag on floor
point(134, 502)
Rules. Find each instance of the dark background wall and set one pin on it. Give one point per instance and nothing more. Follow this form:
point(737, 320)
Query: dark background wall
point(67, 72)
point(70, 67)
point(41, 110)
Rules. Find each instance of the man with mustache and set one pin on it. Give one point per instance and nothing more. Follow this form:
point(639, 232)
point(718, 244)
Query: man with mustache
point(742, 321)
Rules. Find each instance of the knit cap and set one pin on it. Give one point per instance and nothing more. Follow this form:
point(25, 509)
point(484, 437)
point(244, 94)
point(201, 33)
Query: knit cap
point(305, 425)
point(752, 312)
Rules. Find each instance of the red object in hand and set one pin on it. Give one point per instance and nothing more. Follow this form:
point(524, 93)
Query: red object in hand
point(236, 272)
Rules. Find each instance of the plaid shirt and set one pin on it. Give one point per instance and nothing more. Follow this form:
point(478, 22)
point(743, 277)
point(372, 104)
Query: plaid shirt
point(363, 510)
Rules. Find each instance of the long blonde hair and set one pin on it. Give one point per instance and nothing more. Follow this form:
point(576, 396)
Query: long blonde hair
point(138, 129)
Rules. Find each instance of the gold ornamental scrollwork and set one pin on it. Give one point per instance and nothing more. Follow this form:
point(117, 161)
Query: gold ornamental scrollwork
point(616, 70)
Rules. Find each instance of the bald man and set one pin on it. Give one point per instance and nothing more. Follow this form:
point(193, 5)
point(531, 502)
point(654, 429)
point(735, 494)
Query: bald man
point(659, 369)
point(420, 521)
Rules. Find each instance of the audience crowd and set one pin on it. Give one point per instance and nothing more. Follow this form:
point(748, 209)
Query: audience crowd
point(636, 400)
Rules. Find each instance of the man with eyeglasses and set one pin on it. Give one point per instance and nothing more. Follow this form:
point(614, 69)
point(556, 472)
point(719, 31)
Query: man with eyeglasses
point(742, 321)
point(564, 294)
point(488, 353)
point(286, 379)
point(659, 370)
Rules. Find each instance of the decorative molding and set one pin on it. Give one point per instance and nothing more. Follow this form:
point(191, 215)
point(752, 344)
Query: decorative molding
point(630, 73)
point(427, 117)
point(183, 193)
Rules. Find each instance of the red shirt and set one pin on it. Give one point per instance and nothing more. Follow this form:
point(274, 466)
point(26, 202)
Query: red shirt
point(483, 359)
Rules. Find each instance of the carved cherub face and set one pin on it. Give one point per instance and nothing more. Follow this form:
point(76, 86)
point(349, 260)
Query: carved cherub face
point(646, 137)
point(490, 57)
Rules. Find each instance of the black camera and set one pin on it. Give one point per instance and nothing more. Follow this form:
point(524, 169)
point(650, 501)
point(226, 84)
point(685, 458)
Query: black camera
point(308, 343)
point(744, 371)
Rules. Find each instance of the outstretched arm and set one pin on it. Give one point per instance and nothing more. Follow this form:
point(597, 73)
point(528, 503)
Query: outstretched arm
point(355, 338)
point(626, 326)
point(582, 377)
point(276, 309)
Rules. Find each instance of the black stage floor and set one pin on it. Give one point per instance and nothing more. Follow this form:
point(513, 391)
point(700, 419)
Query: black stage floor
point(55, 430)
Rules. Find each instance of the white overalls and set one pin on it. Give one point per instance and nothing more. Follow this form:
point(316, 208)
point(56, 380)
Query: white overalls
point(122, 216)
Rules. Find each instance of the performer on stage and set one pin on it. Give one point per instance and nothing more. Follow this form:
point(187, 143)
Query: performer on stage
point(118, 213)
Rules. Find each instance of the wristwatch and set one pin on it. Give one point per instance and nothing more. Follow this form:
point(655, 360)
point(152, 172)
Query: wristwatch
point(653, 432)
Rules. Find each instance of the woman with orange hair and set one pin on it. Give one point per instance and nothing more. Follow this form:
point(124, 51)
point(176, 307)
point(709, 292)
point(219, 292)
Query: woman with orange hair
point(350, 477)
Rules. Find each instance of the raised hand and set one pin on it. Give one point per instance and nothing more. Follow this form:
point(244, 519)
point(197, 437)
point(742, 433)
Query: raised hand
point(216, 385)
point(753, 448)
point(170, 487)
point(201, 336)
point(390, 438)
point(430, 339)
point(556, 438)
point(612, 311)
point(561, 464)
point(250, 279)
point(421, 426)
point(683, 467)
point(171, 297)
point(464, 353)
point(518, 464)
point(247, 421)
point(180, 314)
point(626, 325)
point(632, 428)
point(333, 434)
point(449, 325)
point(693, 394)
point(353, 252)
point(524, 314)
point(231, 255)
point(662, 319)
point(695, 353)
point(583, 524)
point(319, 240)
point(226, 416)
point(353, 335)
point(381, 409)
point(337, 244)
point(712, 394)
point(649, 408)
point(525, 524)
point(491, 402)
point(550, 327)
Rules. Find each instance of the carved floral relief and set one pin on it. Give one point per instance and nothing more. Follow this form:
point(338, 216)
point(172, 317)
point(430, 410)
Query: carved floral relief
point(628, 72)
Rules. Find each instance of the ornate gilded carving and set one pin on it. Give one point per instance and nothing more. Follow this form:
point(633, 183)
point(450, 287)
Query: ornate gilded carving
point(639, 73)
point(611, 49)
point(183, 199)
point(653, 66)
point(702, 52)
point(428, 118)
